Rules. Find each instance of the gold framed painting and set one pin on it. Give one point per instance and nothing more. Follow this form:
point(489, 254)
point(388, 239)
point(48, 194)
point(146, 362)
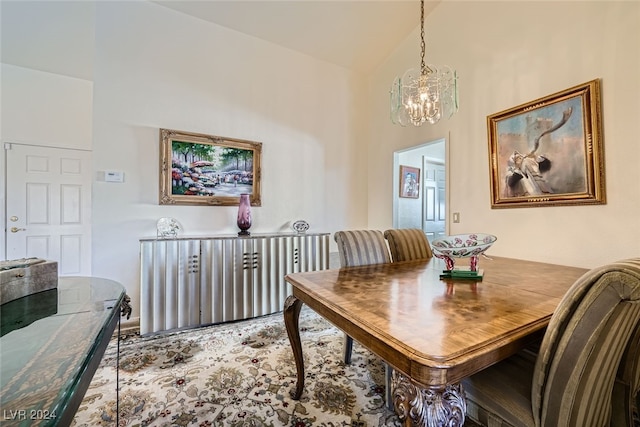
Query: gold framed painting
point(409, 182)
point(199, 169)
point(549, 151)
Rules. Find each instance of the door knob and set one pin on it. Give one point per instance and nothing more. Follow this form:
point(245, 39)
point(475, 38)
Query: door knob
point(16, 229)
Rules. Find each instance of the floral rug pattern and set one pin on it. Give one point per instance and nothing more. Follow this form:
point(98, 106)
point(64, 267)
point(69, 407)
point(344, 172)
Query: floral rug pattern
point(237, 374)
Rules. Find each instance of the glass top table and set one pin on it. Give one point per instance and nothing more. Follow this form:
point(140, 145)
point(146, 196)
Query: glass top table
point(51, 344)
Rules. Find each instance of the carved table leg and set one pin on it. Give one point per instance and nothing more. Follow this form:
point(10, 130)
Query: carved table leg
point(428, 407)
point(292, 307)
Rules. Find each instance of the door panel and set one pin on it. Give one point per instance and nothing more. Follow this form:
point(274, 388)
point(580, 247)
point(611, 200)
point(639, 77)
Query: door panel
point(434, 200)
point(49, 206)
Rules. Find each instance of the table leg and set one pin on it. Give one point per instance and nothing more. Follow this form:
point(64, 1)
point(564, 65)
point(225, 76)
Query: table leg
point(292, 306)
point(421, 407)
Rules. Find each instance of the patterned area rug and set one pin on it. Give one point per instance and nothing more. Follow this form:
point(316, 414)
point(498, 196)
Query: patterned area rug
point(238, 374)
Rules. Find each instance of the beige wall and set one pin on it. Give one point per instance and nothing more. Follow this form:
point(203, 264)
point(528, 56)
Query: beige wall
point(46, 109)
point(506, 54)
point(160, 69)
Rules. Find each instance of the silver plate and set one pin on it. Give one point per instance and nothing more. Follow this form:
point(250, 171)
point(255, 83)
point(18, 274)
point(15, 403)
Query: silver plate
point(300, 226)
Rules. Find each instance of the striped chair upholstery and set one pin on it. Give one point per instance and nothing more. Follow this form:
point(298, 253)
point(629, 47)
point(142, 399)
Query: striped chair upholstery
point(408, 244)
point(356, 248)
point(626, 391)
point(570, 382)
point(361, 247)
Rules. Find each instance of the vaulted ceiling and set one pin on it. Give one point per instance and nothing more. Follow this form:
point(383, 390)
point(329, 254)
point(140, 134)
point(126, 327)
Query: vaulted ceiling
point(58, 36)
point(356, 34)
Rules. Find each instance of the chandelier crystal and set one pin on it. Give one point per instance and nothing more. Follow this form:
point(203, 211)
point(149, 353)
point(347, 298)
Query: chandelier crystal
point(425, 95)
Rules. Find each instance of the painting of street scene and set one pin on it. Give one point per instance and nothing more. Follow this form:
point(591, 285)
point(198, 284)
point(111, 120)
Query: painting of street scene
point(205, 169)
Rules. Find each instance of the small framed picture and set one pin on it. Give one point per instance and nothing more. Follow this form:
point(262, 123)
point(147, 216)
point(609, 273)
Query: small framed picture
point(409, 182)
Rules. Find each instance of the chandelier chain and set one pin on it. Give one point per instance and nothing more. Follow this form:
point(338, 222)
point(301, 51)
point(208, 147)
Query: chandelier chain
point(423, 67)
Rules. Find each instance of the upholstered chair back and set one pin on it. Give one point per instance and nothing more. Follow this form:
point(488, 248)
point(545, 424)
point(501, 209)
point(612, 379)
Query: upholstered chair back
point(361, 247)
point(583, 346)
point(626, 391)
point(408, 244)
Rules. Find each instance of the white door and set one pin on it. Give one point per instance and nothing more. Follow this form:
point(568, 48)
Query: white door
point(49, 206)
point(434, 199)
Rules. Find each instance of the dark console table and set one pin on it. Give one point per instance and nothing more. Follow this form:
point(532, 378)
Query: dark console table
point(51, 345)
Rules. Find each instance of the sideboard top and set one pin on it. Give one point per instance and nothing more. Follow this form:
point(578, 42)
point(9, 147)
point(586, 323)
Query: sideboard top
point(234, 236)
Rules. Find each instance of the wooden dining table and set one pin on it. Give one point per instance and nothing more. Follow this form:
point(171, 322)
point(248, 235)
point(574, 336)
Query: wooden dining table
point(433, 331)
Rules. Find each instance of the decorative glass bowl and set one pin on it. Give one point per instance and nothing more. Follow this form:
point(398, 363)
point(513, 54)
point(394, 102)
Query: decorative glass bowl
point(462, 246)
point(167, 227)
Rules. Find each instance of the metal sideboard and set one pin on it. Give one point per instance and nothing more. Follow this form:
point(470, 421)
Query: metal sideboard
point(186, 282)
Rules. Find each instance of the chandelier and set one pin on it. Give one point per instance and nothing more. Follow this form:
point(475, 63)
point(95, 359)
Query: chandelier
point(424, 95)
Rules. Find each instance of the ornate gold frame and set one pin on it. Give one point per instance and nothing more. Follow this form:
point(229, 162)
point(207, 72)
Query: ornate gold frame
point(194, 181)
point(549, 152)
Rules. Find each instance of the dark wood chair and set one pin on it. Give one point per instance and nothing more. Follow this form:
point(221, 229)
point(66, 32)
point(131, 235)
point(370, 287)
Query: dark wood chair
point(588, 355)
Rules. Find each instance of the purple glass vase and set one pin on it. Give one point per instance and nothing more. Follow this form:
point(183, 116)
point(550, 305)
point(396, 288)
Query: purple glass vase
point(244, 215)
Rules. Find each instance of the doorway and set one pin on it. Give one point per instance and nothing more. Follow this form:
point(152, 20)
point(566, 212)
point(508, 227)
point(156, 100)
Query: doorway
point(429, 211)
point(48, 206)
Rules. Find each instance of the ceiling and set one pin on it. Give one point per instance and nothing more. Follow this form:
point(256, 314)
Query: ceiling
point(356, 34)
point(58, 36)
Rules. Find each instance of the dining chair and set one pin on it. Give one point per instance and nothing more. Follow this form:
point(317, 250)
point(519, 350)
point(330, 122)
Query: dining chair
point(570, 382)
point(408, 244)
point(626, 391)
point(356, 248)
point(361, 247)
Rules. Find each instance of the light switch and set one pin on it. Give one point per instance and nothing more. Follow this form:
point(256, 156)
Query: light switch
point(456, 217)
